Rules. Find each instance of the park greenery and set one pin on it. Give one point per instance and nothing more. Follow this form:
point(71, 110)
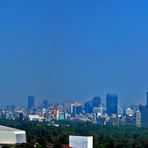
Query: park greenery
point(44, 134)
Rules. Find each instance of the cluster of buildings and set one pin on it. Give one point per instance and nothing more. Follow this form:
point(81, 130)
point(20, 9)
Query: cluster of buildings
point(94, 110)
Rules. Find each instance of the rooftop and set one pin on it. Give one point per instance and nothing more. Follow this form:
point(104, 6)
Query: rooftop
point(8, 128)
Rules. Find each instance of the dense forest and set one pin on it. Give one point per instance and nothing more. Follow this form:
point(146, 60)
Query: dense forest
point(103, 136)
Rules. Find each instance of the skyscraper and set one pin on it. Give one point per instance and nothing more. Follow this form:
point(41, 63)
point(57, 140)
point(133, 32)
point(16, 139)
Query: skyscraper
point(144, 113)
point(88, 107)
point(96, 101)
point(45, 103)
point(146, 98)
point(30, 102)
point(144, 116)
point(112, 104)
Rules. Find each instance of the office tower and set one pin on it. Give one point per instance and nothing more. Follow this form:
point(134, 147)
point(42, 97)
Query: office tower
point(78, 109)
point(138, 118)
point(45, 103)
point(30, 102)
point(96, 101)
point(144, 116)
point(55, 113)
point(112, 104)
point(89, 107)
point(146, 98)
point(75, 108)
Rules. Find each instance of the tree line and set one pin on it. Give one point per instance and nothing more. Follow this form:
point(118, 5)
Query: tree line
point(45, 134)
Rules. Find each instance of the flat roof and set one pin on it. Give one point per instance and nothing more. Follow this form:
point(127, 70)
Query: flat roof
point(5, 128)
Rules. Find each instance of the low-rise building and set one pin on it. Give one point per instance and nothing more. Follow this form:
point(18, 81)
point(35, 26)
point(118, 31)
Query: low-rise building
point(36, 118)
point(11, 135)
point(81, 141)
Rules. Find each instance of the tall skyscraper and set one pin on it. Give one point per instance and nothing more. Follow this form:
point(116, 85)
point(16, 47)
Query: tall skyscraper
point(30, 102)
point(144, 113)
point(144, 116)
point(96, 101)
point(88, 107)
point(45, 103)
point(146, 98)
point(112, 104)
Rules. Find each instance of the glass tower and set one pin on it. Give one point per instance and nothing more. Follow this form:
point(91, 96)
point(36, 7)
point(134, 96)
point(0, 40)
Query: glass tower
point(96, 102)
point(30, 102)
point(112, 104)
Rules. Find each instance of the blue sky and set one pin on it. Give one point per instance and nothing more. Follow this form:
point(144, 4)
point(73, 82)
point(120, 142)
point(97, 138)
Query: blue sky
point(73, 50)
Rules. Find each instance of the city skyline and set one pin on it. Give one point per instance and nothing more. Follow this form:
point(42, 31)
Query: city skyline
point(33, 101)
point(65, 50)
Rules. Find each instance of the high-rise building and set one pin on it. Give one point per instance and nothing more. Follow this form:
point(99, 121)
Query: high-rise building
point(75, 108)
point(89, 107)
point(45, 103)
point(144, 116)
point(55, 113)
point(144, 113)
point(96, 101)
point(146, 98)
point(138, 118)
point(30, 102)
point(112, 104)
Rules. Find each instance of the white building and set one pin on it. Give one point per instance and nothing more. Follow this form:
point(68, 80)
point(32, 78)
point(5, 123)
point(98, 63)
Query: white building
point(81, 141)
point(11, 136)
point(138, 118)
point(36, 118)
point(130, 111)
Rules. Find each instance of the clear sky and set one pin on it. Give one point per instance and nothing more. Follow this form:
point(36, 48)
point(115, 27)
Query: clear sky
point(73, 50)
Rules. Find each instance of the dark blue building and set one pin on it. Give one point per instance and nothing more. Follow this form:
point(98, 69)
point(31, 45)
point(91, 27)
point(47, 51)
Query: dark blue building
point(77, 109)
point(89, 107)
point(144, 116)
point(96, 101)
point(30, 102)
point(144, 113)
point(112, 104)
point(146, 98)
point(45, 103)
